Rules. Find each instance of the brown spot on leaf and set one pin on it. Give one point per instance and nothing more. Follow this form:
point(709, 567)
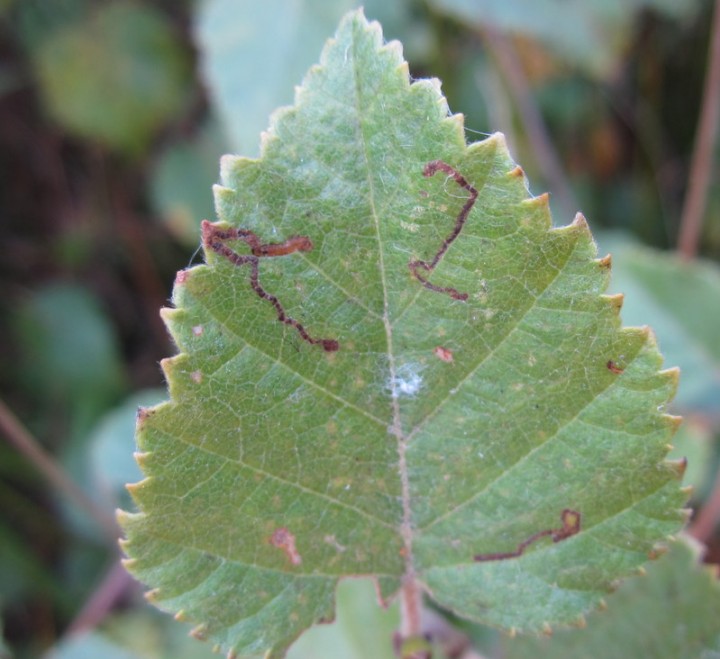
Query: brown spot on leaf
point(283, 539)
point(614, 368)
point(444, 354)
point(196, 376)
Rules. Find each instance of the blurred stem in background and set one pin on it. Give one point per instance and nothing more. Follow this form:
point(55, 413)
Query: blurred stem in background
point(701, 168)
point(16, 433)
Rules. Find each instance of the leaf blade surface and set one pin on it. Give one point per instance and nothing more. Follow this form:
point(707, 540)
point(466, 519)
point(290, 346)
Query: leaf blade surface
point(470, 400)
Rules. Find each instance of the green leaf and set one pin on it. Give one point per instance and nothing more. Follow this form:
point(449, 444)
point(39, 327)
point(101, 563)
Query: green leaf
point(362, 629)
point(671, 613)
point(68, 350)
point(116, 76)
point(590, 34)
point(342, 409)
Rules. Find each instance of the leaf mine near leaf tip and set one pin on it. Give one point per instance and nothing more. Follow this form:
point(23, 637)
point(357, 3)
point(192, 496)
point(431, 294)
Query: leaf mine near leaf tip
point(443, 427)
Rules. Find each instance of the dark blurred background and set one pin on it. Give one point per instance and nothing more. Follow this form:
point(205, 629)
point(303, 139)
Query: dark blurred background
point(112, 118)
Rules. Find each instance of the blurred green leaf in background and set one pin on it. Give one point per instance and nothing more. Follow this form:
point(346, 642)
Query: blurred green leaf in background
point(117, 76)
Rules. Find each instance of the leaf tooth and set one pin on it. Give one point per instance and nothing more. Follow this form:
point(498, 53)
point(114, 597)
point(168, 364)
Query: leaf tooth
point(678, 466)
point(658, 550)
point(231, 166)
point(643, 332)
point(602, 605)
point(181, 616)
point(605, 262)
point(547, 630)
point(614, 301)
point(395, 50)
point(457, 121)
point(142, 415)
point(128, 563)
point(673, 421)
point(200, 632)
point(153, 595)
point(126, 518)
point(672, 374)
point(541, 201)
point(136, 489)
point(141, 457)
point(175, 319)
point(580, 622)
point(512, 632)
point(169, 366)
point(231, 654)
point(180, 278)
point(580, 222)
point(516, 172)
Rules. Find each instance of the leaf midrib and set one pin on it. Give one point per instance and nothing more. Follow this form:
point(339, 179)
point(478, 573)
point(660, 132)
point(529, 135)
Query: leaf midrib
point(405, 529)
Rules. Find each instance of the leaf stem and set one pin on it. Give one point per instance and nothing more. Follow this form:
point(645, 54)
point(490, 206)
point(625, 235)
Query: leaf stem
point(701, 166)
point(19, 436)
point(411, 607)
point(545, 153)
